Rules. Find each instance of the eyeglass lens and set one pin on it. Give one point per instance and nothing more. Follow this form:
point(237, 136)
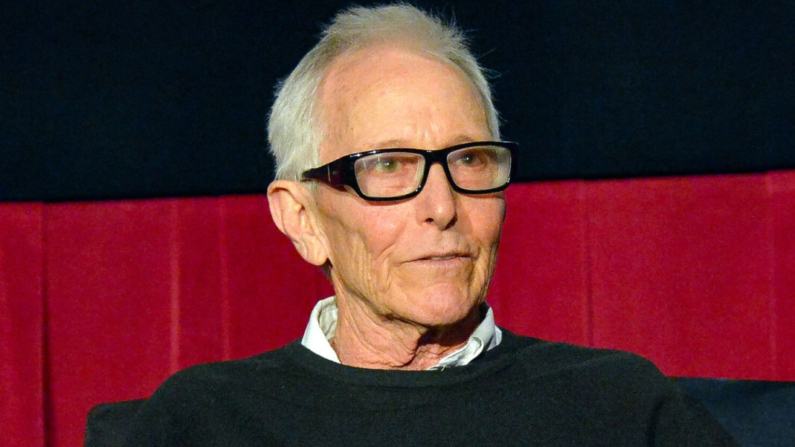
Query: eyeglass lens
point(393, 174)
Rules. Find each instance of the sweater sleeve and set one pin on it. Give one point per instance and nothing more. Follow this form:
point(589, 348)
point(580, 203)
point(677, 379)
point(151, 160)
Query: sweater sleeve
point(209, 405)
point(158, 422)
point(187, 409)
point(680, 420)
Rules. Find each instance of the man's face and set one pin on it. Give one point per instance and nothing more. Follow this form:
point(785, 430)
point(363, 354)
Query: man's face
point(426, 260)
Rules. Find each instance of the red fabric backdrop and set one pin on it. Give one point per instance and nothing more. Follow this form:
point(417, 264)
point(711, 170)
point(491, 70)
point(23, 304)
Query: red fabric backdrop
point(102, 301)
point(22, 327)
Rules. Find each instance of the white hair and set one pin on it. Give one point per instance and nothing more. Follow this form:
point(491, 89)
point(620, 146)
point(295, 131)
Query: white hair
point(294, 130)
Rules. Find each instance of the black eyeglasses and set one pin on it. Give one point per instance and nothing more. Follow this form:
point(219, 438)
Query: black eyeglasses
point(394, 174)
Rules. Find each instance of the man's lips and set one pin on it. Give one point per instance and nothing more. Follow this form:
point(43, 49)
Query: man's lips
point(439, 257)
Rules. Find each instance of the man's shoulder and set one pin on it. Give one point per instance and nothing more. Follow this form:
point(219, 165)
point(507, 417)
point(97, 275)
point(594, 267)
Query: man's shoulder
point(247, 374)
point(541, 357)
point(202, 401)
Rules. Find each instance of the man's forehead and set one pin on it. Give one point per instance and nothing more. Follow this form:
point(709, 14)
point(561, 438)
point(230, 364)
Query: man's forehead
point(376, 52)
point(380, 64)
point(396, 79)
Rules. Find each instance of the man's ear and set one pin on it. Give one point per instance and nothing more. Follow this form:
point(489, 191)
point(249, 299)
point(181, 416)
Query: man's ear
point(293, 212)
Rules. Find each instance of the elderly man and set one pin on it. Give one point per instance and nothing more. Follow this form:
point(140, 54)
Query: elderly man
point(390, 178)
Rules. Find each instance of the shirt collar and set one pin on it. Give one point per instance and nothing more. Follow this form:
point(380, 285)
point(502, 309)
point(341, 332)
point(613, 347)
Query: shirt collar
point(323, 324)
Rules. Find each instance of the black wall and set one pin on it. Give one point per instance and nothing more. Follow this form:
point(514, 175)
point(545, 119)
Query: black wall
point(122, 99)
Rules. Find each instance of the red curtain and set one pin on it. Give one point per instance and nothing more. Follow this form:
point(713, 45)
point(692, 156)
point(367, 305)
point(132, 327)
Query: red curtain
point(101, 301)
point(22, 326)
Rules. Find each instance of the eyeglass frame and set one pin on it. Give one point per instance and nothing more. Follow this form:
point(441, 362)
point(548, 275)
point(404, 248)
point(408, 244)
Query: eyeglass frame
point(341, 172)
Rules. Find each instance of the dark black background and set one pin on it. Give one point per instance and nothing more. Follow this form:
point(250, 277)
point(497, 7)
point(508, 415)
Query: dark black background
point(125, 99)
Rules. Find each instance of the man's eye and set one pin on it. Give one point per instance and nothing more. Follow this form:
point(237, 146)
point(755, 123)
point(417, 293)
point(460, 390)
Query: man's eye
point(386, 165)
point(472, 159)
point(468, 159)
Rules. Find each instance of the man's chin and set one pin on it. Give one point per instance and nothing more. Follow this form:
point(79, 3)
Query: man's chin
point(442, 309)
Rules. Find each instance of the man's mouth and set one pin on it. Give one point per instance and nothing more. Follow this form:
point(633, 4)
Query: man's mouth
point(442, 258)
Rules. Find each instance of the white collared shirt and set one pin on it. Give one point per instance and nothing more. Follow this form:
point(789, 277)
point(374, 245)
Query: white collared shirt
point(323, 325)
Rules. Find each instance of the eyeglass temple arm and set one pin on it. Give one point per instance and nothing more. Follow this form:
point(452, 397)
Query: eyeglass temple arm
point(330, 173)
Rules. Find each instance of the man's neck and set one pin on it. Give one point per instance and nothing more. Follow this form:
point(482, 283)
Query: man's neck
point(366, 341)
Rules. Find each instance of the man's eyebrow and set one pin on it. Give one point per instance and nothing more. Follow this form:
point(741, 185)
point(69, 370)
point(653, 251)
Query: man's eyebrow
point(390, 144)
point(402, 144)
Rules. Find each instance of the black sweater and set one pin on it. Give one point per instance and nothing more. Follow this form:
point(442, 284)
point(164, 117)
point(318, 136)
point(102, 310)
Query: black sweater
point(525, 392)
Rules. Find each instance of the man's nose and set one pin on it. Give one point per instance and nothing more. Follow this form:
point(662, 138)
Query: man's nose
point(436, 203)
